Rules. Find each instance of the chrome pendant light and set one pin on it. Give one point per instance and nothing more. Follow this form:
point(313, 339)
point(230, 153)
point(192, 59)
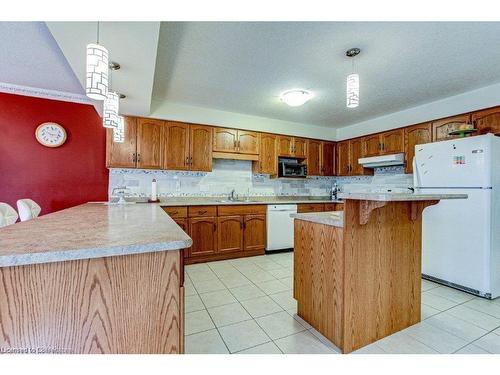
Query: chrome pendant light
point(352, 83)
point(97, 70)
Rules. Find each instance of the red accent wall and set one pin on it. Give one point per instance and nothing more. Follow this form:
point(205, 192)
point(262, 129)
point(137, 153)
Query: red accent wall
point(56, 178)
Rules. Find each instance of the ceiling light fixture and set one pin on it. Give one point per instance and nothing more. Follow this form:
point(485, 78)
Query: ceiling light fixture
point(110, 111)
point(110, 117)
point(119, 132)
point(97, 70)
point(296, 97)
point(352, 84)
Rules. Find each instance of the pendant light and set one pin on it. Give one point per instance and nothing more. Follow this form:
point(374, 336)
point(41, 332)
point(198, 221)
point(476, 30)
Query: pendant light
point(119, 131)
point(97, 70)
point(110, 111)
point(352, 84)
point(111, 108)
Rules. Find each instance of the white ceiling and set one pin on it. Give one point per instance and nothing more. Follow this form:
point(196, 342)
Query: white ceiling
point(30, 57)
point(243, 66)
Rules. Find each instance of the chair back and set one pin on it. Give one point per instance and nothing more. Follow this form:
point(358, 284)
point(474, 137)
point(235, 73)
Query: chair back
point(8, 215)
point(28, 209)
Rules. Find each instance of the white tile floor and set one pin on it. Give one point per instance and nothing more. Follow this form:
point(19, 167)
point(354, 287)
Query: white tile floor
point(245, 306)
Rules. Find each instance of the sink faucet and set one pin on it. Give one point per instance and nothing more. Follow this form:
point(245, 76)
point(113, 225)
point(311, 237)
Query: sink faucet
point(120, 191)
point(232, 195)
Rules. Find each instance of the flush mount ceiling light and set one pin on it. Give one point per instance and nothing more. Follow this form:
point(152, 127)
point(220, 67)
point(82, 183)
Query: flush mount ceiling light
point(352, 84)
point(97, 70)
point(295, 97)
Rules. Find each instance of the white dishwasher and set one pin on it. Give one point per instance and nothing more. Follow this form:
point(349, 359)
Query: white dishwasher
point(280, 226)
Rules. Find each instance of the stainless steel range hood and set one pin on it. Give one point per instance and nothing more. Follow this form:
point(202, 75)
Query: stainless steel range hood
point(382, 161)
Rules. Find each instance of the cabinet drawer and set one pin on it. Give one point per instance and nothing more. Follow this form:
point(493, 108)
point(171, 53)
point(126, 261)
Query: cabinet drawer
point(310, 207)
point(176, 212)
point(249, 209)
point(330, 207)
point(200, 211)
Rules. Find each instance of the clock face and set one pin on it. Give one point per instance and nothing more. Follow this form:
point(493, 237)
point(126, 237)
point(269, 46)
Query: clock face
point(50, 134)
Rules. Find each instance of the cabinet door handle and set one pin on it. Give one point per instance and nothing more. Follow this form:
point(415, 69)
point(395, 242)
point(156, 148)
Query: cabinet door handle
point(186, 161)
point(138, 157)
point(235, 143)
point(190, 160)
point(202, 212)
point(215, 227)
point(134, 159)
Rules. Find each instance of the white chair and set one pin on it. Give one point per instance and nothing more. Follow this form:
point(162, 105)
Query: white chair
point(8, 215)
point(28, 209)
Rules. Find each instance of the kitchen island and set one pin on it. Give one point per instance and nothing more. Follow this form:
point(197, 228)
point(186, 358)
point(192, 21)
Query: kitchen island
point(357, 273)
point(95, 278)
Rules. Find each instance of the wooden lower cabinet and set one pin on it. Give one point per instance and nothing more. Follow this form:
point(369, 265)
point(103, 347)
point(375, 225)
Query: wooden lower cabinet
point(254, 233)
point(310, 207)
point(319, 207)
point(230, 233)
point(203, 231)
point(221, 232)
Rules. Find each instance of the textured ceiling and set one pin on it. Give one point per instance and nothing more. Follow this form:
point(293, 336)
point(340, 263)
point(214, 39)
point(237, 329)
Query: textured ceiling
point(30, 57)
point(243, 66)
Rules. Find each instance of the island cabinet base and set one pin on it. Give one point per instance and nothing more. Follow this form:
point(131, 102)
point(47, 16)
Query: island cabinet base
point(362, 282)
point(119, 304)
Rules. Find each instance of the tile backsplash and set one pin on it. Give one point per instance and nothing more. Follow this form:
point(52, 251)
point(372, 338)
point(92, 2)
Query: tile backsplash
point(236, 174)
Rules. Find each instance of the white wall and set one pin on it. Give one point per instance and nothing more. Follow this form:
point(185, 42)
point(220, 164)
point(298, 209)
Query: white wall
point(187, 113)
point(484, 97)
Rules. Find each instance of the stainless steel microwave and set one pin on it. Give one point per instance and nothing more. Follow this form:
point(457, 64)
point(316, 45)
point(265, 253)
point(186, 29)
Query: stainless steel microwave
point(291, 168)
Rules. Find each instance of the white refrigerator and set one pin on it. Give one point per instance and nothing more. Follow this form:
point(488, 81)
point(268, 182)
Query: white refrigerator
point(461, 238)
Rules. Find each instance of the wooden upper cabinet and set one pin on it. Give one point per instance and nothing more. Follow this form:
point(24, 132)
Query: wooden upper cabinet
point(372, 145)
point(149, 143)
point(442, 128)
point(200, 148)
point(285, 146)
point(300, 147)
point(415, 135)
point(248, 142)
point(355, 153)
point(487, 120)
point(203, 232)
point(254, 232)
point(392, 141)
point(343, 166)
point(122, 155)
point(230, 233)
point(328, 159)
point(313, 157)
point(225, 140)
point(268, 158)
point(176, 146)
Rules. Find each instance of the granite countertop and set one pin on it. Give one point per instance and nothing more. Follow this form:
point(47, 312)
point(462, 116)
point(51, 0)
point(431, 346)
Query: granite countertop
point(91, 230)
point(220, 201)
point(399, 197)
point(333, 218)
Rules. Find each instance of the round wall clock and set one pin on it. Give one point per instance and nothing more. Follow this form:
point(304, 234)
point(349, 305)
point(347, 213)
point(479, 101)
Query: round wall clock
point(50, 134)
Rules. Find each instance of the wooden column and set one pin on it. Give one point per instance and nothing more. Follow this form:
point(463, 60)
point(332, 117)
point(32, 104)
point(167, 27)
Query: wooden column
point(121, 304)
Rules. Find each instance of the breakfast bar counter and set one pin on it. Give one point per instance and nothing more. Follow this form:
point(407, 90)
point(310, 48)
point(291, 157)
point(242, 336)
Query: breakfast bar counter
point(95, 278)
point(357, 274)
